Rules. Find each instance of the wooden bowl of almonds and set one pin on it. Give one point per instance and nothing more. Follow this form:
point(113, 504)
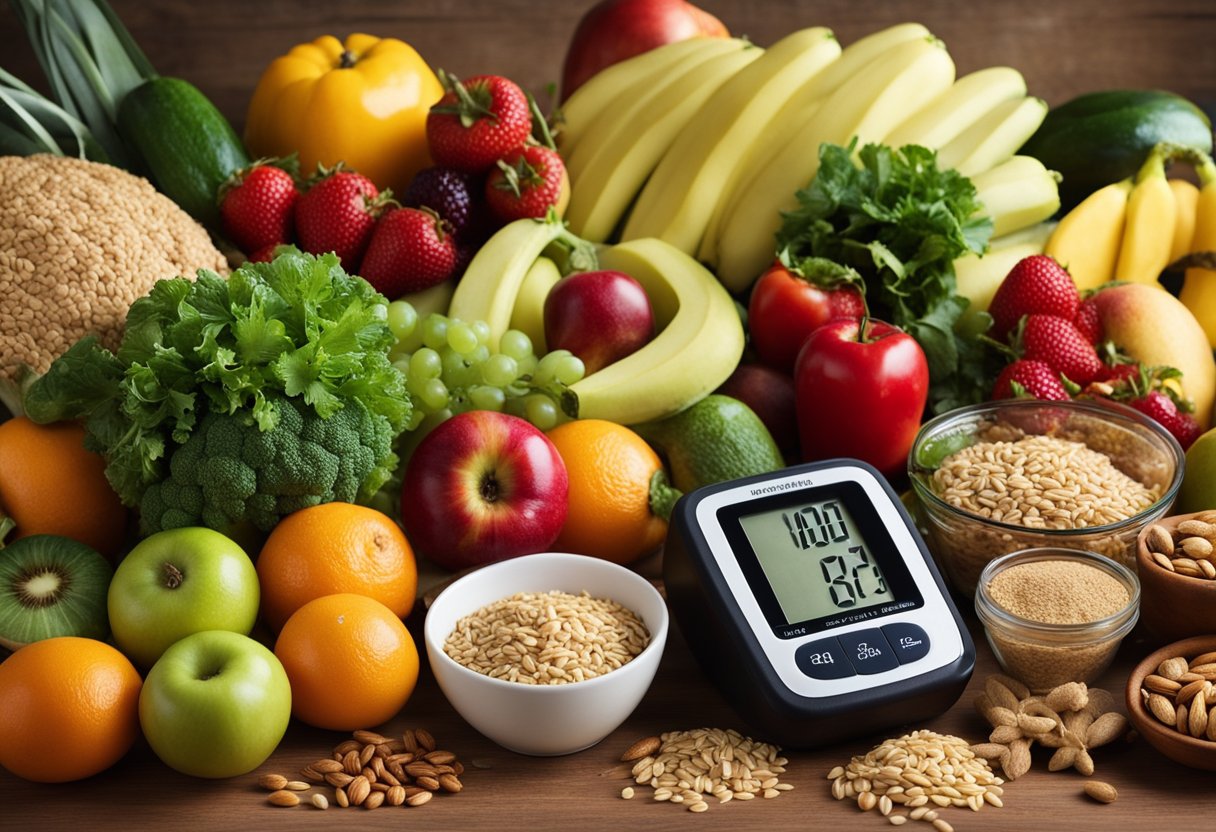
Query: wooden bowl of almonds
point(1176, 563)
point(1171, 701)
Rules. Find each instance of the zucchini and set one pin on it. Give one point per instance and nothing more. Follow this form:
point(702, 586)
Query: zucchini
point(1103, 137)
point(187, 146)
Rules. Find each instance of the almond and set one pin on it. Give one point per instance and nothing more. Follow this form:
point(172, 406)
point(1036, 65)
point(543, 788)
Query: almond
point(1158, 539)
point(425, 740)
point(450, 783)
point(642, 748)
point(358, 790)
point(272, 782)
point(373, 800)
point(395, 796)
point(282, 797)
point(369, 737)
point(1101, 791)
point(418, 799)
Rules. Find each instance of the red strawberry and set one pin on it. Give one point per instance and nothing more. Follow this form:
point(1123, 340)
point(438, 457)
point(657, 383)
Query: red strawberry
point(257, 207)
point(1055, 341)
point(1035, 284)
point(526, 183)
point(265, 254)
point(1158, 405)
point(411, 249)
point(1118, 373)
point(1029, 378)
point(337, 213)
point(477, 122)
point(1087, 321)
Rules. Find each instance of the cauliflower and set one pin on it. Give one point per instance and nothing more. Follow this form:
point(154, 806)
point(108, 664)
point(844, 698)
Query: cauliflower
point(229, 472)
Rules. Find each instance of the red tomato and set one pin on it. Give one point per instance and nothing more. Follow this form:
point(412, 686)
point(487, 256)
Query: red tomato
point(860, 397)
point(786, 307)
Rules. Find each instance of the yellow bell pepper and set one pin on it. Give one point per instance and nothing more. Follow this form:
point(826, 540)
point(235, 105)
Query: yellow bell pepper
point(363, 102)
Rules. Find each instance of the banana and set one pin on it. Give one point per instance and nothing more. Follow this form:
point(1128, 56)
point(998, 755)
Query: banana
point(491, 283)
point(867, 106)
point(978, 276)
point(677, 201)
point(1016, 194)
point(528, 313)
point(435, 299)
point(1199, 286)
point(1148, 228)
point(699, 344)
point(994, 137)
point(1087, 240)
point(616, 84)
point(617, 161)
point(968, 100)
point(1186, 201)
point(793, 118)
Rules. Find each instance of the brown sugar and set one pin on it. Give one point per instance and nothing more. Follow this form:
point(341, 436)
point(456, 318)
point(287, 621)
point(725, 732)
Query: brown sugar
point(1058, 592)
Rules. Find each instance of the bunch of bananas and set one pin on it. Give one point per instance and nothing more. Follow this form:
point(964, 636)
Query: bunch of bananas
point(704, 143)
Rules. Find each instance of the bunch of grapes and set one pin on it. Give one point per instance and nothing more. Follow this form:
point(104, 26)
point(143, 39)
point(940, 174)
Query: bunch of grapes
point(449, 368)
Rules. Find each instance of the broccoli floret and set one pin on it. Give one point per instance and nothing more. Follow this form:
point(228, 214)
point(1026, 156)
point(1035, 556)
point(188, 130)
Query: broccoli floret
point(229, 472)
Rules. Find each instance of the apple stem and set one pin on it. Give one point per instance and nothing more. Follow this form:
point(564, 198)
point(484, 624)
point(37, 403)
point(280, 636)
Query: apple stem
point(173, 576)
point(663, 495)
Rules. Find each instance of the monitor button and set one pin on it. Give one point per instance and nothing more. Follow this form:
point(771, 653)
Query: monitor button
point(823, 659)
point(868, 651)
point(909, 641)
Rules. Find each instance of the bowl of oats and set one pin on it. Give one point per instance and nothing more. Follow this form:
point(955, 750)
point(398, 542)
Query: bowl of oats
point(1018, 474)
point(546, 654)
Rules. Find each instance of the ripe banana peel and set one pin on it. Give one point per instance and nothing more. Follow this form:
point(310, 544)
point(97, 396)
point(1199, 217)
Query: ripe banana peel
point(528, 312)
point(994, 137)
point(1148, 227)
point(1199, 285)
point(1087, 240)
point(699, 343)
point(968, 100)
point(1017, 194)
point(1186, 203)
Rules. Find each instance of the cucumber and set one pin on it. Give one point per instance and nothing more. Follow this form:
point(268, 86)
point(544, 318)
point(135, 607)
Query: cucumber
point(1103, 137)
point(187, 146)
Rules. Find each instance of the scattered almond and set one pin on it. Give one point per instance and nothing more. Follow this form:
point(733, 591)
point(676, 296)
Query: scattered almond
point(1101, 791)
point(642, 748)
point(282, 797)
point(319, 800)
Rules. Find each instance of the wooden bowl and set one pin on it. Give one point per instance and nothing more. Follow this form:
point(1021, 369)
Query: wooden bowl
point(1173, 606)
point(1181, 748)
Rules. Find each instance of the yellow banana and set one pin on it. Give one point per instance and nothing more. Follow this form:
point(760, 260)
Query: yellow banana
point(1186, 201)
point(616, 84)
point(492, 280)
point(1199, 286)
point(868, 107)
point(1016, 194)
point(528, 313)
point(699, 343)
point(978, 276)
point(435, 299)
point(1148, 228)
point(1087, 240)
point(968, 100)
point(619, 160)
point(803, 105)
point(994, 137)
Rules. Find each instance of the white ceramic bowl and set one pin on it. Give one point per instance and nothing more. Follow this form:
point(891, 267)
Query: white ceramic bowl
point(546, 720)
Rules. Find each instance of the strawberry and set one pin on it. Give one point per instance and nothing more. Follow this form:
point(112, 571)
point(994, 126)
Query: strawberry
point(477, 122)
point(263, 255)
point(1035, 284)
point(1056, 342)
point(337, 213)
point(257, 207)
point(527, 182)
point(1087, 321)
point(410, 250)
point(1115, 374)
point(1029, 378)
point(1159, 405)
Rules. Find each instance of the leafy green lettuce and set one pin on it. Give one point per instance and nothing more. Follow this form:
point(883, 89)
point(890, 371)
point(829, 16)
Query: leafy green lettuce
point(897, 223)
point(298, 326)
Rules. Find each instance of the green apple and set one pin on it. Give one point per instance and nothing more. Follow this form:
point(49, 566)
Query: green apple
point(178, 582)
point(216, 704)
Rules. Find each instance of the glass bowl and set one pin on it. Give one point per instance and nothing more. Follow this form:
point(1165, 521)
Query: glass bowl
point(964, 541)
point(1046, 655)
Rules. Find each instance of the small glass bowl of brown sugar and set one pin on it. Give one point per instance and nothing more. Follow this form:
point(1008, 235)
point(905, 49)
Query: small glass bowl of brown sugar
point(1056, 615)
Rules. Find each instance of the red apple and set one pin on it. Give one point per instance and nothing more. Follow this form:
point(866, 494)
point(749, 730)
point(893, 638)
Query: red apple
point(770, 394)
point(599, 316)
point(614, 30)
point(483, 487)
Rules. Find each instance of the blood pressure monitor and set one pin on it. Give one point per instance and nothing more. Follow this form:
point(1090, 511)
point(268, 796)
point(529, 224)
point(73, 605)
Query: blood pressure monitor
point(809, 598)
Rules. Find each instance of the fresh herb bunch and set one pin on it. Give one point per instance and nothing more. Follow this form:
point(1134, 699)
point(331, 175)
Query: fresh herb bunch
point(896, 223)
point(296, 331)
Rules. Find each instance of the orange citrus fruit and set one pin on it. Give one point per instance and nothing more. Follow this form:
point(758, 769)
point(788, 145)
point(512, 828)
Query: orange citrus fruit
point(351, 662)
point(610, 468)
point(333, 548)
point(69, 709)
point(49, 484)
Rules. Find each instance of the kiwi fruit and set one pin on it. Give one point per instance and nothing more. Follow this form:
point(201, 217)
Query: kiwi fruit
point(52, 586)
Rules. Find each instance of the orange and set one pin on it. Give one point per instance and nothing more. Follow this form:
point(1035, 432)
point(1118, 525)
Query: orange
point(332, 548)
point(351, 662)
point(49, 484)
point(610, 468)
point(69, 709)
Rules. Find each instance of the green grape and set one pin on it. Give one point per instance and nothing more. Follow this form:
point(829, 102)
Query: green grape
point(435, 331)
point(484, 397)
point(402, 318)
point(544, 373)
point(458, 370)
point(479, 355)
point(461, 337)
point(435, 394)
point(568, 369)
point(425, 364)
point(527, 366)
point(482, 330)
point(515, 344)
point(499, 370)
point(402, 362)
point(540, 410)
